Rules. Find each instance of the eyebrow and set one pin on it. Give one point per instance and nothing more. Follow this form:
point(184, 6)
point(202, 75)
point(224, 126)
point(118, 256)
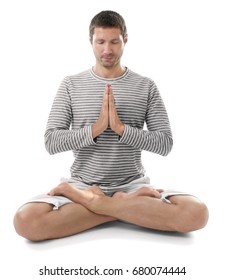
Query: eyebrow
point(101, 39)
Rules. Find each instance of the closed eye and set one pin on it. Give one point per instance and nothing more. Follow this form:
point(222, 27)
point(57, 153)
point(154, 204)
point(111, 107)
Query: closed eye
point(99, 41)
point(115, 42)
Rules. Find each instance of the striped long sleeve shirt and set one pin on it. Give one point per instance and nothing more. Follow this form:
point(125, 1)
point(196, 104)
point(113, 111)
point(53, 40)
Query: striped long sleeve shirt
point(109, 160)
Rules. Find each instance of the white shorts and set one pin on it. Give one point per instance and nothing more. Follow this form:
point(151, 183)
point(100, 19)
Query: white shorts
point(58, 200)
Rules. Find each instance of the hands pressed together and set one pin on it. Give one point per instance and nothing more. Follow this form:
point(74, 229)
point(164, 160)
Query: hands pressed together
point(108, 116)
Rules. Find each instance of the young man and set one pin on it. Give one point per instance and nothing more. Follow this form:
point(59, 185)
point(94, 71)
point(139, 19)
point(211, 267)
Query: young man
point(106, 107)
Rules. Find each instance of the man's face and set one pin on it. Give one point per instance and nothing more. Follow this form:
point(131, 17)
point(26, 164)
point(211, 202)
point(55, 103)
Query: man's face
point(108, 45)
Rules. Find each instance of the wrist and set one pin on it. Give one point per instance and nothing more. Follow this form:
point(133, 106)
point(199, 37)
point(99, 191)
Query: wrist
point(120, 129)
point(97, 129)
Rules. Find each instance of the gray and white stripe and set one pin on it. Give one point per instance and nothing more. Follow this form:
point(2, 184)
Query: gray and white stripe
point(108, 160)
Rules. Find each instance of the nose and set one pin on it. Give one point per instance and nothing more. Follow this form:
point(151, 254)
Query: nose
point(107, 49)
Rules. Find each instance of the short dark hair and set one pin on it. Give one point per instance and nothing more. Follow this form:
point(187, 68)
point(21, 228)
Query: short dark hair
point(108, 19)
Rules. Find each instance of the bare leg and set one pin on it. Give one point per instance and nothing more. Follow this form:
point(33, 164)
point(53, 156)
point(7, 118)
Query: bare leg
point(143, 208)
point(38, 221)
point(184, 214)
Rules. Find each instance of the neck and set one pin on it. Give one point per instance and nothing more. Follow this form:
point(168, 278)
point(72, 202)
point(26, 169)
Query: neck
point(108, 72)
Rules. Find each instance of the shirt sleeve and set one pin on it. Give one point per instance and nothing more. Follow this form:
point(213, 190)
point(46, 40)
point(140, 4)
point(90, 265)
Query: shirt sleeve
point(58, 135)
point(158, 136)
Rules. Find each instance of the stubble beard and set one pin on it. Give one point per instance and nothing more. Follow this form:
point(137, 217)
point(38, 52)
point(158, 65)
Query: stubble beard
point(110, 64)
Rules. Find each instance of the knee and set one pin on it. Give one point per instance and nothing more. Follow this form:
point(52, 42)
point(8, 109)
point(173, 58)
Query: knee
point(192, 217)
point(24, 225)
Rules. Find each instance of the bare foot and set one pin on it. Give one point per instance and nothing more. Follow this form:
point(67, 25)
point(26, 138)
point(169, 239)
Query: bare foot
point(144, 191)
point(88, 198)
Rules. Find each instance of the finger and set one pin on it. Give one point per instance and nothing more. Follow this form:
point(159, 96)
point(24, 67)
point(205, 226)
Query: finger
point(105, 98)
point(111, 99)
point(108, 88)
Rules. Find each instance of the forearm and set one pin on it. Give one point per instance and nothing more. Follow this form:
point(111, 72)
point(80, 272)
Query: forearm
point(158, 142)
point(59, 140)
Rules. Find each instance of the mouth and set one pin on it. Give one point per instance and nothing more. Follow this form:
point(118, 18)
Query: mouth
point(107, 57)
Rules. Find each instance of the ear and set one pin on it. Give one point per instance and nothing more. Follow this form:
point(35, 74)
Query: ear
point(125, 38)
point(91, 40)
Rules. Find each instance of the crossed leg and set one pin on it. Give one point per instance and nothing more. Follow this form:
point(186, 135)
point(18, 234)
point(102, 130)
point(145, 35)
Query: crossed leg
point(38, 221)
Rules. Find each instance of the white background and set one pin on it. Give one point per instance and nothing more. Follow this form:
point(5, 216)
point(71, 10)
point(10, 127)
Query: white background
point(180, 45)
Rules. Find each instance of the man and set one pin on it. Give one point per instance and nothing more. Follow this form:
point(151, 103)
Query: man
point(106, 108)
